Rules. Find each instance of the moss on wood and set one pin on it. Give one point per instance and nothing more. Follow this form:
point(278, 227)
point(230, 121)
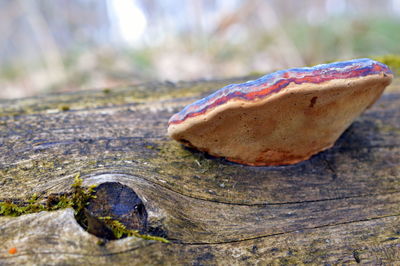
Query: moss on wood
point(339, 203)
point(120, 231)
point(77, 200)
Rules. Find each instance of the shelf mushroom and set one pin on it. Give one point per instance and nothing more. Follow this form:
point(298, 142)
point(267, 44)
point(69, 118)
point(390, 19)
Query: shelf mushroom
point(284, 117)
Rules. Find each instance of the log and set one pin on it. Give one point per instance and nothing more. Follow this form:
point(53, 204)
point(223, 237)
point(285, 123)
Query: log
point(339, 207)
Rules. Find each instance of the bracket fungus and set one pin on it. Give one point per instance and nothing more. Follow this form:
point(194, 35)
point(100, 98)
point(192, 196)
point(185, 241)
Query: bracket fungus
point(284, 117)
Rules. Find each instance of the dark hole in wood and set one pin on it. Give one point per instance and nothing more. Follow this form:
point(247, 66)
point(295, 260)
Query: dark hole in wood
point(114, 201)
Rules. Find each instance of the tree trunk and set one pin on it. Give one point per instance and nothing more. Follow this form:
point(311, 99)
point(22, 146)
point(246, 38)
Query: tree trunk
point(341, 206)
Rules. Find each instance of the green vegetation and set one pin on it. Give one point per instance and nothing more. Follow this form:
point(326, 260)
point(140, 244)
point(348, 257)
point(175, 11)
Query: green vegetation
point(8, 208)
point(64, 108)
point(106, 90)
point(119, 230)
point(78, 200)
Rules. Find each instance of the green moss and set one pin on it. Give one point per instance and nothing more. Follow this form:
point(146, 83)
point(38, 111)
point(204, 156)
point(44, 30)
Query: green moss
point(119, 230)
point(173, 149)
point(77, 200)
point(62, 202)
point(171, 153)
point(9, 208)
point(64, 108)
point(80, 198)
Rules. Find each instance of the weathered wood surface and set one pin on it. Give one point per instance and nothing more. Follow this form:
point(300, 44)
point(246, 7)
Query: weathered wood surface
point(342, 206)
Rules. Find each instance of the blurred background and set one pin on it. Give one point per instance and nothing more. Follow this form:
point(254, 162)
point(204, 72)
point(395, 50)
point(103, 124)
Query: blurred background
point(48, 46)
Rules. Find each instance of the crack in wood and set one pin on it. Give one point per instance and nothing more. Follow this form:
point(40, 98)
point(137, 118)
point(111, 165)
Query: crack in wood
point(149, 243)
point(266, 204)
point(289, 232)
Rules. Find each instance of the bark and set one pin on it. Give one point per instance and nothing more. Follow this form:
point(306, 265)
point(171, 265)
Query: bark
point(341, 206)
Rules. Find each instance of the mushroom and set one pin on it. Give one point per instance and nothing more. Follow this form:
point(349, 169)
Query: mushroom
point(284, 117)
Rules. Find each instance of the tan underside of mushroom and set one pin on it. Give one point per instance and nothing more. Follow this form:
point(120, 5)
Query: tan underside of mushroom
point(285, 128)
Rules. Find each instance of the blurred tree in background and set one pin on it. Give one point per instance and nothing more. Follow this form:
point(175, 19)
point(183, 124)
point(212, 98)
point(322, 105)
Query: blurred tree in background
point(49, 46)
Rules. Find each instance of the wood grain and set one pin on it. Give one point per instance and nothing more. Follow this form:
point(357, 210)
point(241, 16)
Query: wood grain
point(341, 206)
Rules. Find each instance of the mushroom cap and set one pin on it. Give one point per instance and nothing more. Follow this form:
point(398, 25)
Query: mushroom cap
point(284, 117)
